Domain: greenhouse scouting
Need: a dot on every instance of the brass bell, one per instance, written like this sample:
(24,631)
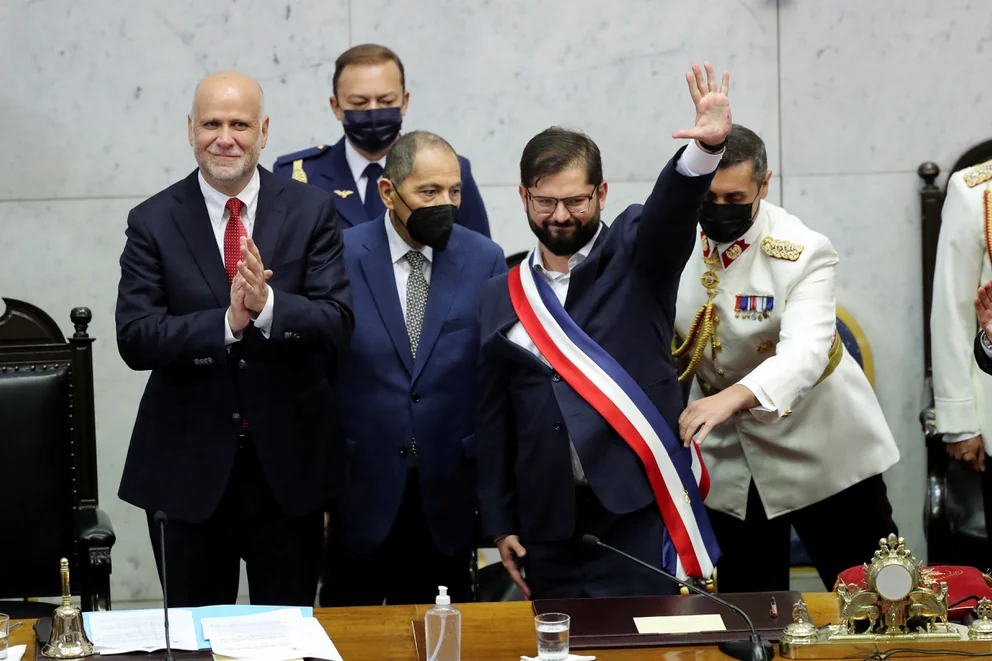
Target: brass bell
(68,638)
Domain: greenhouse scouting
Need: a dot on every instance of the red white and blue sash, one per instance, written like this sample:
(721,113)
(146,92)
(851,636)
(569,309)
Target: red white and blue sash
(677,475)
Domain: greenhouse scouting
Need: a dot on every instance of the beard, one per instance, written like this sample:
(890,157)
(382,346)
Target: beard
(233,169)
(567,238)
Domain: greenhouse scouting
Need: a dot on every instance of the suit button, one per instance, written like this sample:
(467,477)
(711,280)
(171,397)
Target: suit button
(209,361)
(556,377)
(415,397)
(287,336)
(558,425)
(242,364)
(235,417)
(403,450)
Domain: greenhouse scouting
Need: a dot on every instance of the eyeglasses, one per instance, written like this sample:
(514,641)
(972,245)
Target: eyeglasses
(575,204)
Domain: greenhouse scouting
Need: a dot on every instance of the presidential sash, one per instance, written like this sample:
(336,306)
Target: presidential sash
(677,475)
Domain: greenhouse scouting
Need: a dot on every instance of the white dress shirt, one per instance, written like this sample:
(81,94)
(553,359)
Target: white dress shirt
(398,248)
(694,162)
(217,211)
(358,163)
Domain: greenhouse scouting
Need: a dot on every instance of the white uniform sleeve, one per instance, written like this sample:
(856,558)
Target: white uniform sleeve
(958,270)
(808,324)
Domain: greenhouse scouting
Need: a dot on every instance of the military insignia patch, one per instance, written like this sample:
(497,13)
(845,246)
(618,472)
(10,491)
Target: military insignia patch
(754,307)
(343,193)
(781,249)
(298,173)
(978,174)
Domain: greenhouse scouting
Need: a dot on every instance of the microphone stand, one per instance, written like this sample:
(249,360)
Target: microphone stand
(161,519)
(755,648)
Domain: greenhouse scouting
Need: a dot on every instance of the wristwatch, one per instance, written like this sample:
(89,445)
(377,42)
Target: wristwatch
(986,344)
(714,149)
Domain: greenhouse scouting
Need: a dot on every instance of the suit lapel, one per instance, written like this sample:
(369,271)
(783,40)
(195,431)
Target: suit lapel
(503,344)
(445,276)
(343,188)
(193,222)
(378,269)
(270,215)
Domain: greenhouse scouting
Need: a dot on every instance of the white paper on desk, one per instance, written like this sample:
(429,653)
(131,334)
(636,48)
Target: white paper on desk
(273,636)
(15,652)
(119,632)
(679,624)
(316,645)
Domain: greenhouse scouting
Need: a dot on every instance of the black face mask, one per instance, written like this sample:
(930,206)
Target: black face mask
(372,130)
(431,226)
(725,222)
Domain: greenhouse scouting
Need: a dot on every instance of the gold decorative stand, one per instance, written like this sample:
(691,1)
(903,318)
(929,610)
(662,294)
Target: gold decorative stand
(875,615)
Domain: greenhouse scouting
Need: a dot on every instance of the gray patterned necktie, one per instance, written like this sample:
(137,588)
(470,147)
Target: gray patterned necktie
(416,298)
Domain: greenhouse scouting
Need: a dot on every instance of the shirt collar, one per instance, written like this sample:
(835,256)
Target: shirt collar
(398,248)
(217,201)
(575,259)
(356,162)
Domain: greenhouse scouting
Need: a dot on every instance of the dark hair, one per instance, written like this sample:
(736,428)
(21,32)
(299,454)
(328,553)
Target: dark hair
(557,149)
(403,153)
(366,54)
(743,146)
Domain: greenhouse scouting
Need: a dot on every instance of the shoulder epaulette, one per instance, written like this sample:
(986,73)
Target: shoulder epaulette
(781,249)
(303,154)
(978,174)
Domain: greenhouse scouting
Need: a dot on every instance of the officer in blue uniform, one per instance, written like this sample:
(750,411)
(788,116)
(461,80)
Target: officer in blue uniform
(370,100)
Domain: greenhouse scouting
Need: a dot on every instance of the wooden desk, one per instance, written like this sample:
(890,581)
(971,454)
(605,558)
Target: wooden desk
(490,631)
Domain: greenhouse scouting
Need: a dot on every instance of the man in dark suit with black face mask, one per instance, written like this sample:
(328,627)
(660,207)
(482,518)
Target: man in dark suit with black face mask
(370,99)
(405,519)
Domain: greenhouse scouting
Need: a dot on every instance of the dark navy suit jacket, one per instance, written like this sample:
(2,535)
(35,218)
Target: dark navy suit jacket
(623,296)
(386,398)
(171,309)
(327,167)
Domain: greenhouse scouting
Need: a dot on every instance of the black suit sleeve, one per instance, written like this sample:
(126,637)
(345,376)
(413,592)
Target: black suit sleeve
(665,233)
(984,362)
(496,449)
(322,315)
(148,337)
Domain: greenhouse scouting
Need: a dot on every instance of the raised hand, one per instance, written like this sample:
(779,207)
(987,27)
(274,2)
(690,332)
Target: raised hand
(713,117)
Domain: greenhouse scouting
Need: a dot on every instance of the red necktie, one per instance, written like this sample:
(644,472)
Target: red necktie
(232,250)
(232,238)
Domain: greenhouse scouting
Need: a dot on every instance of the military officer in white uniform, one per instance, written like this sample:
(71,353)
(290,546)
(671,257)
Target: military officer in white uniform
(788,425)
(963,392)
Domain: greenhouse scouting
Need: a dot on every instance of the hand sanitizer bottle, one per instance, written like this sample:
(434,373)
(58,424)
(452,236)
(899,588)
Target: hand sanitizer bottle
(443,629)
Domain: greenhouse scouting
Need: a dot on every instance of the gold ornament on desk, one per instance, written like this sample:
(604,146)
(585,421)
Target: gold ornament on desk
(68,637)
(981,629)
(897,605)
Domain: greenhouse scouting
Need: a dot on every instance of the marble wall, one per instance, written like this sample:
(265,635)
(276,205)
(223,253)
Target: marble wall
(850,95)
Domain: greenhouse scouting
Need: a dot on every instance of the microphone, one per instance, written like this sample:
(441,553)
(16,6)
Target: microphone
(161,519)
(754,649)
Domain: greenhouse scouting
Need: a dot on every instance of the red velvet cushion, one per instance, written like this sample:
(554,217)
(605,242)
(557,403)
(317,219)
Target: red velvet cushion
(961,582)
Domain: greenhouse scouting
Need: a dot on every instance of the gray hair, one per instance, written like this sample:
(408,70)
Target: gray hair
(403,153)
(743,146)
